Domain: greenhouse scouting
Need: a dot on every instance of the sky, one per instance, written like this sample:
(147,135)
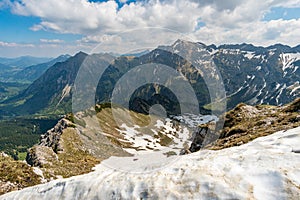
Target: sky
(54,27)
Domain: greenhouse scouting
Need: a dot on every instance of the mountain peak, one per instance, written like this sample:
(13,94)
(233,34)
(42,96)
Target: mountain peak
(80,53)
(181,42)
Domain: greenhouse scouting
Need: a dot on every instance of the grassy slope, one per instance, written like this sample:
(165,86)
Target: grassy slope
(73,160)
(245,123)
(17,173)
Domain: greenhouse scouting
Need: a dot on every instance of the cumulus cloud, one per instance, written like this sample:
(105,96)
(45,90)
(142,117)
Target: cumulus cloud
(225,21)
(68,16)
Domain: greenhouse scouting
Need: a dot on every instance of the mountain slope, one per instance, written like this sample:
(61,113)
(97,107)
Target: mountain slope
(257,75)
(52,91)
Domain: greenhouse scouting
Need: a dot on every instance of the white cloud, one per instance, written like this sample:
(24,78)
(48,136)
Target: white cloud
(13,44)
(67,16)
(259,33)
(226,21)
(51,41)
(123,1)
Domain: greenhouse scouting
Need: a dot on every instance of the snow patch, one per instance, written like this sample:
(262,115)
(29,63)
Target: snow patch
(65,92)
(258,68)
(178,134)
(280,92)
(288,59)
(249,54)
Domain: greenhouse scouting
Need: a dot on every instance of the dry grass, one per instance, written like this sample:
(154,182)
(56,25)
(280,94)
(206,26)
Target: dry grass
(245,123)
(15,175)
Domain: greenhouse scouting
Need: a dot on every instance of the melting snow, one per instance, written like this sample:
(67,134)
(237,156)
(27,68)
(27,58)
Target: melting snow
(295,89)
(192,120)
(180,134)
(271,52)
(277,86)
(266,168)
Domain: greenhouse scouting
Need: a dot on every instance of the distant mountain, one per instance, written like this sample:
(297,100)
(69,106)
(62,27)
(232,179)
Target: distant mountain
(23,61)
(4,68)
(138,53)
(254,75)
(31,73)
(11,66)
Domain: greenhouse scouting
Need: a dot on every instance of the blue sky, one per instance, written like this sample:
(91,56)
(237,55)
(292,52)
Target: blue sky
(53,27)
(283,13)
(15,28)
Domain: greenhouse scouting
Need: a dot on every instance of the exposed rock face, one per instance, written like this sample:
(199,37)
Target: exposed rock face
(51,137)
(203,135)
(49,145)
(39,156)
(203,130)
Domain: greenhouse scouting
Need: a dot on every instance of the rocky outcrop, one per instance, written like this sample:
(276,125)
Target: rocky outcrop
(40,156)
(48,147)
(51,137)
(201,137)
(202,133)
(61,152)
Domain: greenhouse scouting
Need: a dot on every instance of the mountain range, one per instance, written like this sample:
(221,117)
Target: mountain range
(251,74)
